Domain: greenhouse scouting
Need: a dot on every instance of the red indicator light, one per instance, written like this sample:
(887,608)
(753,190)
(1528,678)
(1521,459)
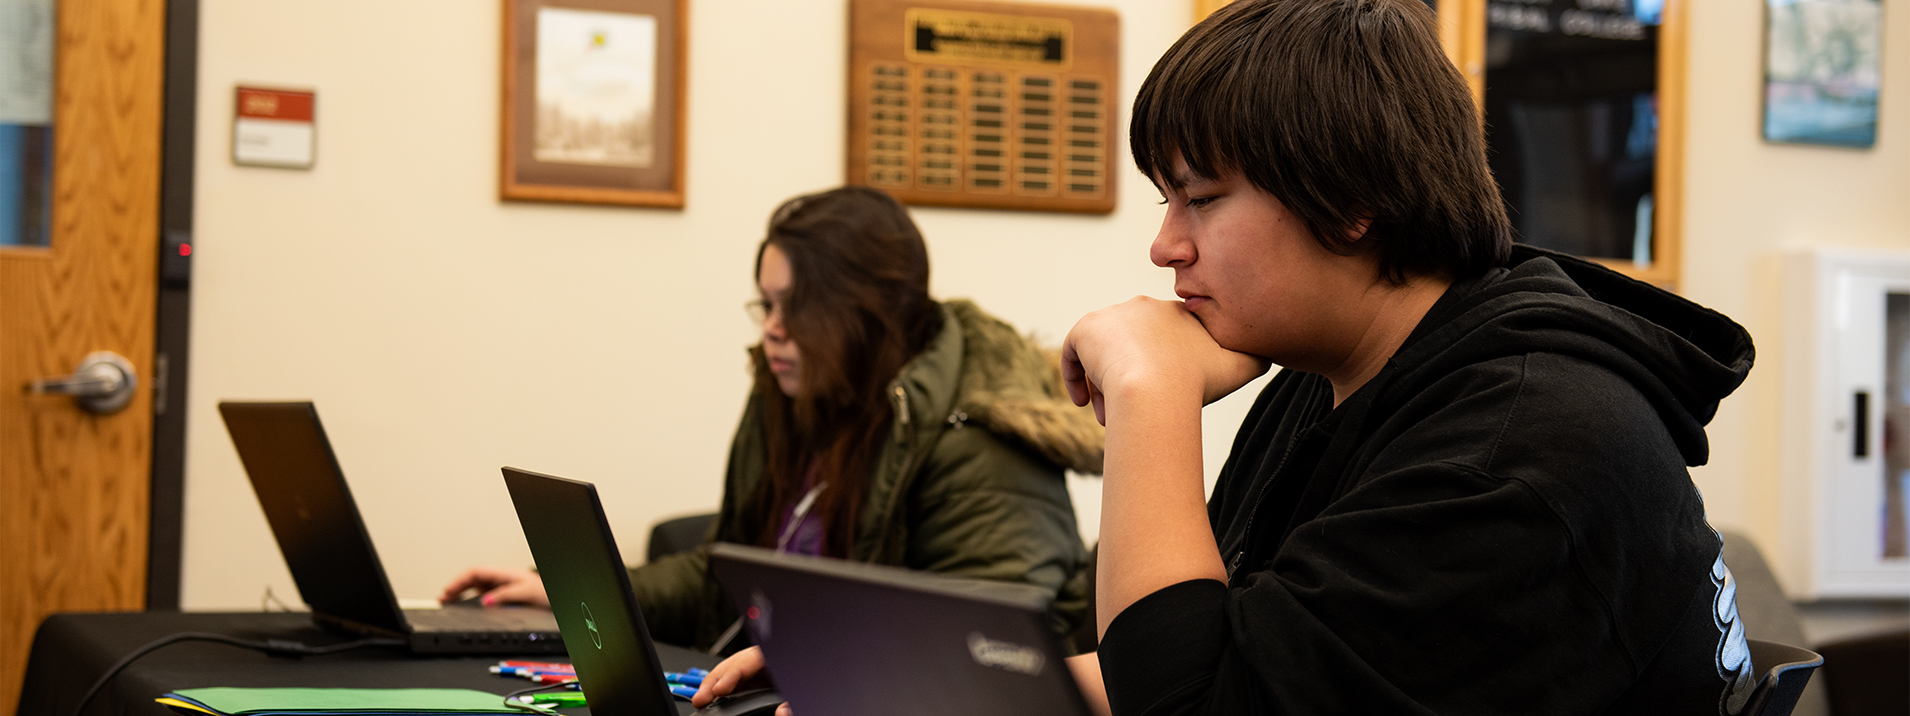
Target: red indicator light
(185,249)
(752,612)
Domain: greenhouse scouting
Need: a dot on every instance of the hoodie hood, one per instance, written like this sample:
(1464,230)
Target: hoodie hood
(1683,357)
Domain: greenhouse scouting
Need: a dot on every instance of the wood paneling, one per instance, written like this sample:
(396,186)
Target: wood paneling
(1462,29)
(1668,177)
(984,105)
(73,486)
(1203,8)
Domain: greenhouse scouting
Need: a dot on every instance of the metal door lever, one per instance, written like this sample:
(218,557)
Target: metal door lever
(103,383)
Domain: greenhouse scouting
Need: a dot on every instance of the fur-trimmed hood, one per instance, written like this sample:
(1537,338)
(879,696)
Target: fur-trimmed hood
(1012,386)
(969,483)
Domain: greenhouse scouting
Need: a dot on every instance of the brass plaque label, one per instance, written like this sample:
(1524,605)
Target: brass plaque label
(968,38)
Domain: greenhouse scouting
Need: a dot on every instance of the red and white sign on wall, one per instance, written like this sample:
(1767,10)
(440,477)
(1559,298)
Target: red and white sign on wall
(274,128)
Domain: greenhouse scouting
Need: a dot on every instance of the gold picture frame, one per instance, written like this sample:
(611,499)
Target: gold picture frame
(617,138)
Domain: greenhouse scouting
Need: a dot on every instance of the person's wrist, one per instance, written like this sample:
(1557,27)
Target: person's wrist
(1140,389)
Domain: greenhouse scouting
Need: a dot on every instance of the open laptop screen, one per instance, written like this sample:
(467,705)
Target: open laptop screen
(852,639)
(302,490)
(590,595)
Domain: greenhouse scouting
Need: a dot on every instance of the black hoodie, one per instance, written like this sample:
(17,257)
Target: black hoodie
(1499,522)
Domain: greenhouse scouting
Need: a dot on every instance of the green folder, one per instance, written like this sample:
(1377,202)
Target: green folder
(322,702)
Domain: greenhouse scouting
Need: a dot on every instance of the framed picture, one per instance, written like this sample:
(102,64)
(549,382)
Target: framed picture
(1821,71)
(593,102)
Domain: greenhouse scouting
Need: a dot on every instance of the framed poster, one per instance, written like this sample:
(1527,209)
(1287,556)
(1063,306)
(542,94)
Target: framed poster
(1821,71)
(984,104)
(593,101)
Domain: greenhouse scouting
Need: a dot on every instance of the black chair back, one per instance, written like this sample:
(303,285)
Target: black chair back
(1868,675)
(679,535)
(1786,669)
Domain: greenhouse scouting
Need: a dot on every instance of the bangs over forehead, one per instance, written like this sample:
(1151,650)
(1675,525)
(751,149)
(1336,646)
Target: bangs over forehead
(1346,111)
(1182,108)
(1256,83)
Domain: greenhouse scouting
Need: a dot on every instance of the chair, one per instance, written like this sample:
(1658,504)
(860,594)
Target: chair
(1789,669)
(678,535)
(1868,675)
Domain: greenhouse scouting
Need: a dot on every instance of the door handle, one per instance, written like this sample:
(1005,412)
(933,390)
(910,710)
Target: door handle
(103,383)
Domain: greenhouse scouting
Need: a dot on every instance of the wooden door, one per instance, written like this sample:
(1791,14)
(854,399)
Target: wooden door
(74,486)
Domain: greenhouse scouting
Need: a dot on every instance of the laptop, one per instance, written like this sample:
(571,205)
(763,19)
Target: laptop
(303,491)
(619,668)
(851,639)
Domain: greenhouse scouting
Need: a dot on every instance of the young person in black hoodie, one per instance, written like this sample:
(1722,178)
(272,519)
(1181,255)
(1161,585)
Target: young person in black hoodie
(1466,491)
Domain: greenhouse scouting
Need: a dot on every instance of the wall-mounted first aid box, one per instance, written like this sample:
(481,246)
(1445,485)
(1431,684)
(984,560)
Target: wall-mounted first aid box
(1846,444)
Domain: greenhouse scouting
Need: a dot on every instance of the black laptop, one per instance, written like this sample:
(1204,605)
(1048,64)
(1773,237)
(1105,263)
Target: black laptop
(851,639)
(619,668)
(300,486)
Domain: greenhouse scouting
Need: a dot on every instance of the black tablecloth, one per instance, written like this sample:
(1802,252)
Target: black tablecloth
(71,651)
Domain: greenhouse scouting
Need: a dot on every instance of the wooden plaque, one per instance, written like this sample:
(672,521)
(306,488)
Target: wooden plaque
(984,104)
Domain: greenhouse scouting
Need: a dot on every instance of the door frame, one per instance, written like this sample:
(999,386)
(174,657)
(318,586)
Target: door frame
(173,319)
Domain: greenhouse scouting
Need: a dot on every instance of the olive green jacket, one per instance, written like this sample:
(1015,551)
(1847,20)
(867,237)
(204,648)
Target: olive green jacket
(968,484)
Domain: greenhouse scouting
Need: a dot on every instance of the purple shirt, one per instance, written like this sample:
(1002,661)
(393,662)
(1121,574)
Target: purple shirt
(808,536)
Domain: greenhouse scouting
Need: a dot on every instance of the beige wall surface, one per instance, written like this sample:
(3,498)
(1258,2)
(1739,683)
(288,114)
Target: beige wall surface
(443,333)
(1746,201)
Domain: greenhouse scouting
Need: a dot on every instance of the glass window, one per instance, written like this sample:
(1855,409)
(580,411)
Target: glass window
(26,121)
(1896,426)
(1571,112)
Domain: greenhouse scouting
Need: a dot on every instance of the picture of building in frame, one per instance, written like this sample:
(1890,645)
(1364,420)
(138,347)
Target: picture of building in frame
(596,88)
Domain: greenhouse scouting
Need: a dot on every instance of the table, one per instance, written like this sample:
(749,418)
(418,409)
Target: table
(71,651)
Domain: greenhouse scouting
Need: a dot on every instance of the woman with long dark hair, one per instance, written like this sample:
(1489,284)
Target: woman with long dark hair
(882,427)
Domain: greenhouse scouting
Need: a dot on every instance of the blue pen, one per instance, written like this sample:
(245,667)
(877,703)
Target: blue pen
(693,671)
(525,670)
(683,691)
(684,679)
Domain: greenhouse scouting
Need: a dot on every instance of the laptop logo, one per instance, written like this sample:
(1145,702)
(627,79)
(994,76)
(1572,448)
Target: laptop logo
(1007,656)
(590,622)
(758,614)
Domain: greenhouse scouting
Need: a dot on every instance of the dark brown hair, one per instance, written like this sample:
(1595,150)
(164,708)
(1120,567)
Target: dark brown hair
(858,309)
(1344,110)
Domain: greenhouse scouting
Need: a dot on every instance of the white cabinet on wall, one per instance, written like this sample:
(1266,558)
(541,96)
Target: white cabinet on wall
(1846,444)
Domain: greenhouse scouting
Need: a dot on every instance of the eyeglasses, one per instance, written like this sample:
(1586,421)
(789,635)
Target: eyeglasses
(759,310)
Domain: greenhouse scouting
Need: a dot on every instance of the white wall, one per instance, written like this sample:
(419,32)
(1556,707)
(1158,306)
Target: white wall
(443,333)
(1747,201)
